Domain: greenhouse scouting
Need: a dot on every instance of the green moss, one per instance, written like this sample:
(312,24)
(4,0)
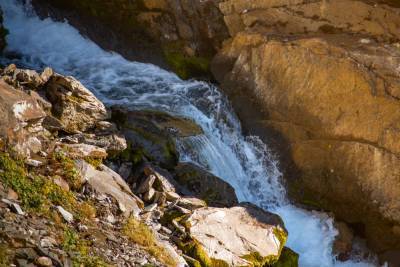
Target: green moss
(170,216)
(80,250)
(70,173)
(195,250)
(4,255)
(35,192)
(259,261)
(192,262)
(38,193)
(140,234)
(288,258)
(95,162)
(186,67)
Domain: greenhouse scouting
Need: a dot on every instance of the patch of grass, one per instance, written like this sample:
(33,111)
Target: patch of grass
(140,234)
(38,193)
(4,256)
(70,173)
(73,244)
(86,210)
(35,191)
(193,249)
(95,162)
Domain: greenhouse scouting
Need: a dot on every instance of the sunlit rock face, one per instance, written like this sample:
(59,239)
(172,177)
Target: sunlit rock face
(321,85)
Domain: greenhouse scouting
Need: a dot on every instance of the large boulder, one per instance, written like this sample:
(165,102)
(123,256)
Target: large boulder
(329,106)
(73,104)
(202,184)
(151,134)
(239,236)
(181,34)
(106,181)
(20,120)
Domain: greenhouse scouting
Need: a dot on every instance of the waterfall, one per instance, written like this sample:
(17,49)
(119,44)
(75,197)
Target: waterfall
(243,161)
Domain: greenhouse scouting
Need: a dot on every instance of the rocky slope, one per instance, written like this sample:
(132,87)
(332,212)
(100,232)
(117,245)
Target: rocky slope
(81,185)
(317,80)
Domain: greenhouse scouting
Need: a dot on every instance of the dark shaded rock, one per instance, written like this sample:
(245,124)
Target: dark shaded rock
(288,258)
(151,134)
(205,185)
(3,33)
(343,242)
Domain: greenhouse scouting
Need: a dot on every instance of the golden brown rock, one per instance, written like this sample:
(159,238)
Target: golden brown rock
(329,104)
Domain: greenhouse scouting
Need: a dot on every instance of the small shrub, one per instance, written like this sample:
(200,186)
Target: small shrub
(140,234)
(69,171)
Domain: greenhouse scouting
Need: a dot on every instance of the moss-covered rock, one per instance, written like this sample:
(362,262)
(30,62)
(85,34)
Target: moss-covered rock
(288,258)
(220,236)
(186,66)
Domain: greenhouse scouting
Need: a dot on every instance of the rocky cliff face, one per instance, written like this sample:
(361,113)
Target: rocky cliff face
(182,35)
(319,81)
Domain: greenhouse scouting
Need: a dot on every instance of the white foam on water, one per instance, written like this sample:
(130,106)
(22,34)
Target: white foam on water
(244,162)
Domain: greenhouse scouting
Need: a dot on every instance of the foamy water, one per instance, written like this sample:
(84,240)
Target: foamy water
(244,162)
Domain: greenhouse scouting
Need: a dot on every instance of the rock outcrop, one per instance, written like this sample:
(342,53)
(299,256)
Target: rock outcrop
(20,120)
(183,35)
(319,82)
(73,104)
(238,236)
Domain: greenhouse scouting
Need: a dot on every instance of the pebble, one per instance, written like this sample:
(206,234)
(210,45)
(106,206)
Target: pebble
(68,217)
(150,207)
(44,261)
(33,163)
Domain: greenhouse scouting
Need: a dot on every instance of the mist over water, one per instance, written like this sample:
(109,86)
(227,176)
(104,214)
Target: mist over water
(244,162)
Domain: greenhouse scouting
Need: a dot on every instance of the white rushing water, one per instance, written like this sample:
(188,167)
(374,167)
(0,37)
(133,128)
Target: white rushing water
(244,162)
